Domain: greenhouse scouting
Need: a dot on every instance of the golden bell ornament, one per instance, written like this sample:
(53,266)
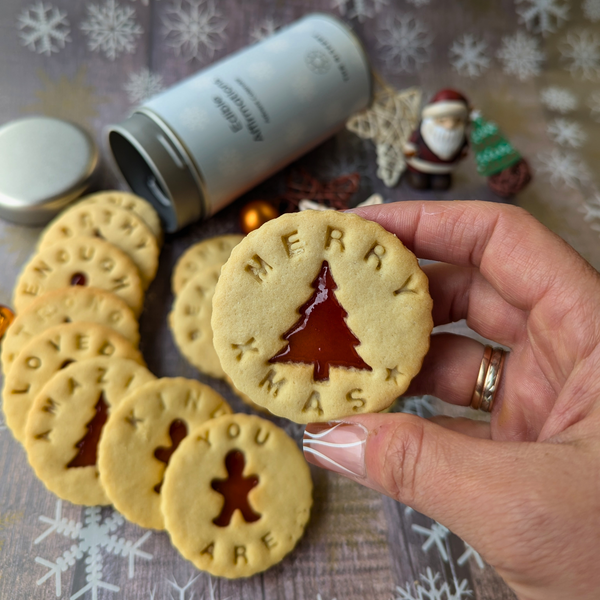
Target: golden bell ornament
(7,316)
(255,214)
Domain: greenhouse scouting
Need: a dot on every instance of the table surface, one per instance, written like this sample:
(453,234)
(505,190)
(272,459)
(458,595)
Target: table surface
(534,70)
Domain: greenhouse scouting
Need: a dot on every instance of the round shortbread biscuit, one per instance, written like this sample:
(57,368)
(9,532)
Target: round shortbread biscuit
(142,208)
(207,253)
(137,441)
(237,496)
(116,225)
(66,421)
(318,315)
(189,320)
(47,354)
(67,305)
(85,261)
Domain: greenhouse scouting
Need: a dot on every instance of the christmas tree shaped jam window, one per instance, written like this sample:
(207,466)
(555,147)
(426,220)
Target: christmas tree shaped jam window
(318,315)
(321,336)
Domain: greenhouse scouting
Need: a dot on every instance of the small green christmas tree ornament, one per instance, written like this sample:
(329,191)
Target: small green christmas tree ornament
(507,171)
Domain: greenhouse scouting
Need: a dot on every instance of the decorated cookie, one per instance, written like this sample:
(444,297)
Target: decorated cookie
(66,421)
(47,354)
(68,305)
(190,321)
(237,496)
(320,314)
(207,253)
(142,208)
(83,261)
(116,225)
(140,437)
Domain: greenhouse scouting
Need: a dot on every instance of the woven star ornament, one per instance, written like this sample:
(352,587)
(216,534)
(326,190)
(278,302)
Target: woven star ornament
(389,121)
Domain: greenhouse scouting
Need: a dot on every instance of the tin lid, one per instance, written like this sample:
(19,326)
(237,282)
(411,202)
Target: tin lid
(45,164)
(156,166)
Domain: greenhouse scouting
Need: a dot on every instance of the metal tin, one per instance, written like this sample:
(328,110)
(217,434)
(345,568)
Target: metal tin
(196,147)
(45,164)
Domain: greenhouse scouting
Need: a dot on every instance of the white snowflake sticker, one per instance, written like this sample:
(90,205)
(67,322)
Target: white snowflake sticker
(93,537)
(521,55)
(436,536)
(591,10)
(581,51)
(594,104)
(563,168)
(468,56)
(143,85)
(194,28)
(567,133)
(359,9)
(558,99)
(43,28)
(542,16)
(406,43)
(432,588)
(111,29)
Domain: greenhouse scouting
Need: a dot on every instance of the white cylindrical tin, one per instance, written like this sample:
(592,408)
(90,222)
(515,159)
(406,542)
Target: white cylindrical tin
(202,143)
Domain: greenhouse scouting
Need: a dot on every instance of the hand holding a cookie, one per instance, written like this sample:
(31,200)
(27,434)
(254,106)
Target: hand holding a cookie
(523,490)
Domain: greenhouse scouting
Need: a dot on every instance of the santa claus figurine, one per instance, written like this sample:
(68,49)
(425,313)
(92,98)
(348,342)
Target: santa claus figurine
(440,142)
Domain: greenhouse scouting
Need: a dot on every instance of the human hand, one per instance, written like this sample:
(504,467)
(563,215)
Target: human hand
(523,490)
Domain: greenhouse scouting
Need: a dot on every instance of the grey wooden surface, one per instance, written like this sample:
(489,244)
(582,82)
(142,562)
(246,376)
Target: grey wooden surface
(358,544)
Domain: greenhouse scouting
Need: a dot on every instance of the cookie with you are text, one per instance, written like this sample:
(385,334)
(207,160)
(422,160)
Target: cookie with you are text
(319,315)
(236,496)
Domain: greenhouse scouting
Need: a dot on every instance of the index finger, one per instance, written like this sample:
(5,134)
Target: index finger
(518,255)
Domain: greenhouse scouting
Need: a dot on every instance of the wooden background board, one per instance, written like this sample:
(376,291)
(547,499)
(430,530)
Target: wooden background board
(358,544)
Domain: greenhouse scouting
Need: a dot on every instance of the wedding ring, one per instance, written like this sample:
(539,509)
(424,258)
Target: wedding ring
(478,391)
(488,378)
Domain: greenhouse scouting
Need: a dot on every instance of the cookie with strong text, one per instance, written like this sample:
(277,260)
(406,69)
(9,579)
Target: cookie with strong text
(318,315)
(208,253)
(246,506)
(83,261)
(140,437)
(67,419)
(68,305)
(48,353)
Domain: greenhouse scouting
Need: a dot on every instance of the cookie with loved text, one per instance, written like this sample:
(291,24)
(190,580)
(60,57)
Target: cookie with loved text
(320,314)
(68,305)
(140,437)
(66,421)
(237,496)
(46,354)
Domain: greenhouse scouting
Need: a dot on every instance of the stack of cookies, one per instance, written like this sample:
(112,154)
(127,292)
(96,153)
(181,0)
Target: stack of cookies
(99,428)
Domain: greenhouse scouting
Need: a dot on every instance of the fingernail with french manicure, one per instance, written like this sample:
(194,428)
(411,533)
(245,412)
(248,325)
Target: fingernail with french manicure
(337,447)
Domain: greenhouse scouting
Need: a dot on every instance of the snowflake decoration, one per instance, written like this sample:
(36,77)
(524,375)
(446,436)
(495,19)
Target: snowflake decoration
(558,99)
(591,10)
(418,3)
(143,85)
(44,29)
(266,29)
(467,56)
(360,8)
(542,16)
(91,538)
(436,536)
(468,553)
(591,211)
(406,43)
(111,29)
(581,49)
(194,28)
(432,588)
(594,104)
(567,133)
(521,55)
(563,168)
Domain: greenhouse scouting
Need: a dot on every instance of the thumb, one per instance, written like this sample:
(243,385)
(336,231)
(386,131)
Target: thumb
(463,482)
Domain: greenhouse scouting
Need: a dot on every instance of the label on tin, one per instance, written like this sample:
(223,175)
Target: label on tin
(249,115)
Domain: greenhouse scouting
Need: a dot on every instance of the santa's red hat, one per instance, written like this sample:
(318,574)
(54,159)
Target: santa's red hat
(447,103)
